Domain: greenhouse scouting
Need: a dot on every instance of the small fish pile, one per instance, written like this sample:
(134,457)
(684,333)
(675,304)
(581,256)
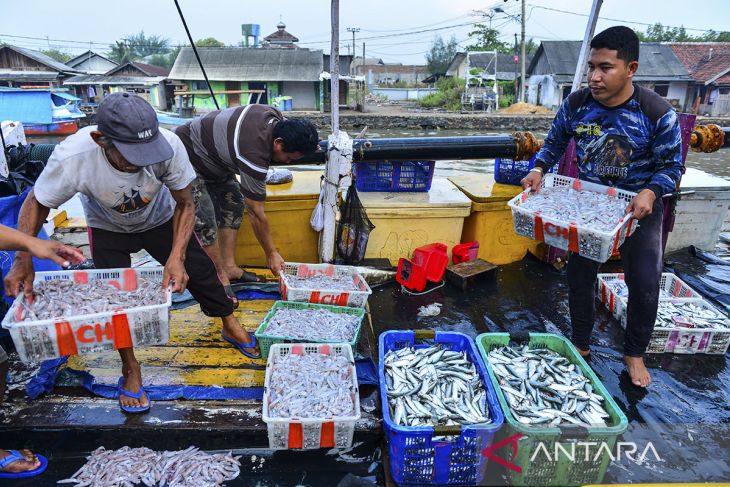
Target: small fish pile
(434,386)
(619,287)
(320,281)
(311,386)
(688,315)
(587,209)
(544,387)
(142,466)
(62,298)
(312,324)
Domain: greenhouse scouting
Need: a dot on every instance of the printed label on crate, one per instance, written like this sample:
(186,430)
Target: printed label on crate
(687,341)
(337,299)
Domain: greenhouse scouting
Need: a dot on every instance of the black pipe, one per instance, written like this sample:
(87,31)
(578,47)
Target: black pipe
(424,148)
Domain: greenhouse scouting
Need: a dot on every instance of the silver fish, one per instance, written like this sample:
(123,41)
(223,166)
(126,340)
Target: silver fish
(312,324)
(433,386)
(588,209)
(542,387)
(619,287)
(671,314)
(63,298)
(311,386)
(320,281)
(134,466)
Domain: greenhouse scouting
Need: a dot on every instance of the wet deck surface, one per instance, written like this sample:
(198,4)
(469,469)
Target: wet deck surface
(685,413)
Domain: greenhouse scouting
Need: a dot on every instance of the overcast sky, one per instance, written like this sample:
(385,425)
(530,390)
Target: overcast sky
(394,30)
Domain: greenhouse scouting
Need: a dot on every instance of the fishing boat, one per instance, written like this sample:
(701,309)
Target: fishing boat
(43,111)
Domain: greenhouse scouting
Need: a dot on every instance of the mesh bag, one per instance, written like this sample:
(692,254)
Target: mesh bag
(353,230)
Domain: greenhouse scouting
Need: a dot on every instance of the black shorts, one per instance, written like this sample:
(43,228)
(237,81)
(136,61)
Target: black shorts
(112,249)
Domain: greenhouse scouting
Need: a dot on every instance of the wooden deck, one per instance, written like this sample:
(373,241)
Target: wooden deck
(196,355)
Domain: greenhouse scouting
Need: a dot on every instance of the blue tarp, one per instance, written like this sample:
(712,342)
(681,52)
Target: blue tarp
(26,106)
(9,209)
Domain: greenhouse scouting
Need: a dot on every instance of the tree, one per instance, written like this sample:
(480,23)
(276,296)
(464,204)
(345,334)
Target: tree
(209,42)
(138,46)
(441,54)
(487,39)
(660,33)
(57,54)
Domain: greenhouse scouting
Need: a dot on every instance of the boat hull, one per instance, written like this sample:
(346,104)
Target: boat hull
(56,128)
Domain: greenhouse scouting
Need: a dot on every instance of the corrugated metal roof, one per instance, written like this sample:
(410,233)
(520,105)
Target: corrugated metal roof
(14,75)
(42,58)
(101,79)
(656,61)
(248,64)
(73,62)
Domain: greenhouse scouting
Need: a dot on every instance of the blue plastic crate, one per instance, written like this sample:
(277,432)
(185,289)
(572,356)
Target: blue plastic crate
(395,176)
(507,171)
(415,457)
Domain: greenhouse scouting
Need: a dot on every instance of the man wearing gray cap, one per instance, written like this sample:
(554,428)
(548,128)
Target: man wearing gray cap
(134,183)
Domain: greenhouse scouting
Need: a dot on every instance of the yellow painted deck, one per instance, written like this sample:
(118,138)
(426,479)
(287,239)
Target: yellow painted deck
(196,355)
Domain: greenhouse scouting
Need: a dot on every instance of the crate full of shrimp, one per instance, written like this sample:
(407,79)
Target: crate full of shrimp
(614,293)
(323,284)
(585,218)
(311,397)
(89,311)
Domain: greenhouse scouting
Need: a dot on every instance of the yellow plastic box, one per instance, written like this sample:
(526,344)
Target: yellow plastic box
(288,208)
(405,221)
(490,222)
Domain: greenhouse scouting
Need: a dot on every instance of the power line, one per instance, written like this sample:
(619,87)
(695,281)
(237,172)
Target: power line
(618,20)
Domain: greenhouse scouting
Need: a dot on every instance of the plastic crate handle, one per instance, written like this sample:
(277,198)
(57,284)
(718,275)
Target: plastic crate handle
(573,431)
(424,334)
(443,430)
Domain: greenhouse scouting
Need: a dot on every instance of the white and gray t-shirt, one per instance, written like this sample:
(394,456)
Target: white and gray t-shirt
(113,200)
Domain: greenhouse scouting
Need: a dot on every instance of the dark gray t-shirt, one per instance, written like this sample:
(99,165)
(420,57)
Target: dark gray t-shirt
(233,141)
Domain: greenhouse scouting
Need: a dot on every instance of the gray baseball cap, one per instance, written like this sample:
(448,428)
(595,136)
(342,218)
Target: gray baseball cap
(132,124)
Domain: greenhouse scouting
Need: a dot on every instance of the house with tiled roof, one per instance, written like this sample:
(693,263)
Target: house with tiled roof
(708,63)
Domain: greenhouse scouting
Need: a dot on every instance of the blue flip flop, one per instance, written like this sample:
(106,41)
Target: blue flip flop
(241,346)
(15,456)
(135,395)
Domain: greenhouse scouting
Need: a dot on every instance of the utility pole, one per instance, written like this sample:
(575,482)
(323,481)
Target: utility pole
(353,30)
(514,99)
(522,81)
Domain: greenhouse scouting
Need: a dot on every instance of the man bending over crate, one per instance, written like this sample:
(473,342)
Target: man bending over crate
(628,137)
(135,184)
(240,141)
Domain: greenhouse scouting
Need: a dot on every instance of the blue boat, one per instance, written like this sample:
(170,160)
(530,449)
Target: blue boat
(42,111)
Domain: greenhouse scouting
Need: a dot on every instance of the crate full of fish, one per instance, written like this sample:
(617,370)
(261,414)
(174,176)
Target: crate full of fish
(614,293)
(324,284)
(90,311)
(688,326)
(289,322)
(551,400)
(440,410)
(311,397)
(585,218)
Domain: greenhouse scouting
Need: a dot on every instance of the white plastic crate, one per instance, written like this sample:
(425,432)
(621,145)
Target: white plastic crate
(591,244)
(92,333)
(310,433)
(712,341)
(353,299)
(671,285)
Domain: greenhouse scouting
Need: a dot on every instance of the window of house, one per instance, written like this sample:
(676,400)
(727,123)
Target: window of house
(661,89)
(200,86)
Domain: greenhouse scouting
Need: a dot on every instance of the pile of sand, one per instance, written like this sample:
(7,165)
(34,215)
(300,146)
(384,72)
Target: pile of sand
(525,108)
